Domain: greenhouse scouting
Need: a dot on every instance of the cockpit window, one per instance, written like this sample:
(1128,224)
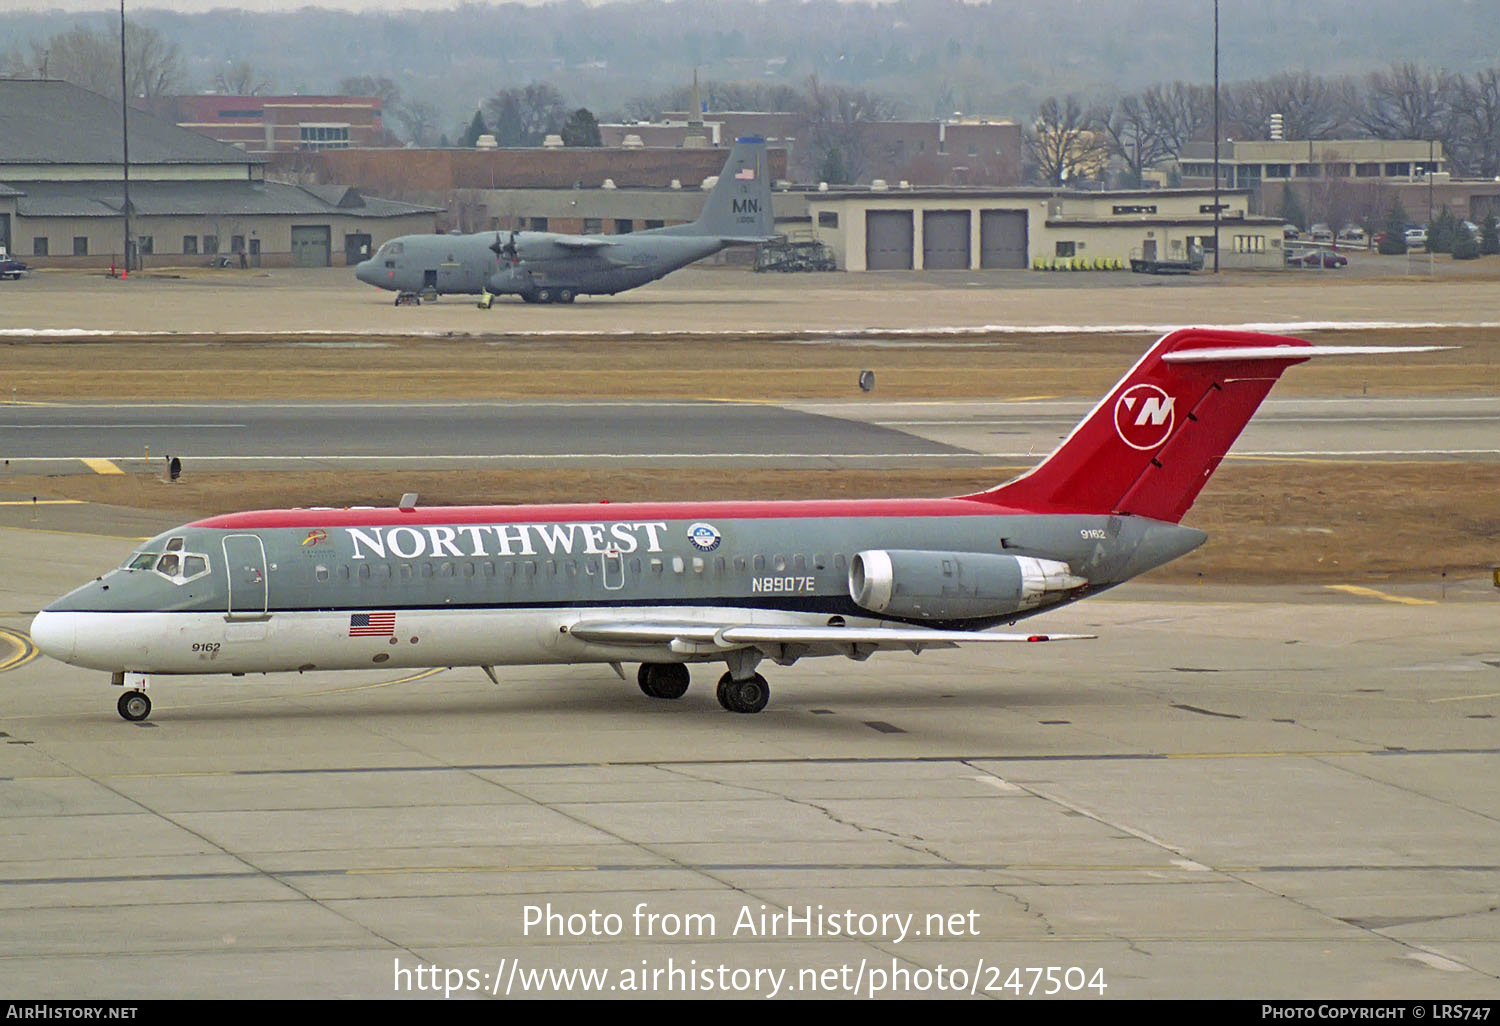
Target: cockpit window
(176,566)
(391,249)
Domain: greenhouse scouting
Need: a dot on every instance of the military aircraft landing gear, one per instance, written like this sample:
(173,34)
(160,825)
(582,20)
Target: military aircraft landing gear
(134,706)
(744,696)
(408,299)
(663,680)
(544,295)
(565,295)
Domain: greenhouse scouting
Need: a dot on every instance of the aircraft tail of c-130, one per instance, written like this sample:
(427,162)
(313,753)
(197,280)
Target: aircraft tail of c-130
(738,208)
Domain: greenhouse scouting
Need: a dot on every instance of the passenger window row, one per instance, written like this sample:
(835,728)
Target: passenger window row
(528,569)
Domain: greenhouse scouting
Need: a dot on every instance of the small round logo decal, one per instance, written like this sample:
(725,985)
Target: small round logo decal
(1144,416)
(705,537)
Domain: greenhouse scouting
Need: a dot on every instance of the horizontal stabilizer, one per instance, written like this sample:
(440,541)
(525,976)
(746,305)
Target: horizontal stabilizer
(1211,355)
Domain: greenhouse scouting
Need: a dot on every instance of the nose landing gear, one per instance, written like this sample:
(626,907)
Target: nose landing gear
(134,706)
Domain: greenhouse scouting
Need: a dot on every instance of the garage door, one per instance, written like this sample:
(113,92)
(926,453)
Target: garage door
(945,240)
(311,245)
(1002,238)
(888,240)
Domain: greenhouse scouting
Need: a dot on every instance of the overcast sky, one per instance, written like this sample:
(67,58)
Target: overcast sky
(198,6)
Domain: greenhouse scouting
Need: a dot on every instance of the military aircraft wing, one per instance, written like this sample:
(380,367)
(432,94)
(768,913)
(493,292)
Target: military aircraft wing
(726,636)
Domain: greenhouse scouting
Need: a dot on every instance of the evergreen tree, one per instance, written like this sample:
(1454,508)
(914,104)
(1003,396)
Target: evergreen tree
(1489,236)
(1394,243)
(1442,232)
(833,170)
(1291,209)
(581,129)
(473,132)
(1464,245)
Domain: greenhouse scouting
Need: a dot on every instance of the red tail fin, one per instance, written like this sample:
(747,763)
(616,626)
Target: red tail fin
(1151,444)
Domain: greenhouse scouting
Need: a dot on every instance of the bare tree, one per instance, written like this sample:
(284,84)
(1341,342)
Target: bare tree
(1406,102)
(241,78)
(1066,142)
(1473,145)
(420,120)
(1310,106)
(1134,136)
(1182,113)
(92,60)
(526,115)
(837,117)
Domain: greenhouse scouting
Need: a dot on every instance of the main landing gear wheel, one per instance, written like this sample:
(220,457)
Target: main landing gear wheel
(134,706)
(663,680)
(544,295)
(565,295)
(744,696)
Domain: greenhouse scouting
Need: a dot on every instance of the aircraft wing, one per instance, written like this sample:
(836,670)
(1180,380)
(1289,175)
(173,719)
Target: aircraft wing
(581,242)
(702,638)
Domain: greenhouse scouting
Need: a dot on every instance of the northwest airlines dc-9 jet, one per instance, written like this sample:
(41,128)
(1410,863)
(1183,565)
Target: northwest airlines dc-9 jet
(668,585)
(547,267)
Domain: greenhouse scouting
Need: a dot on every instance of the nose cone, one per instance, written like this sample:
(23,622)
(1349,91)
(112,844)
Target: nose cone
(55,634)
(365,271)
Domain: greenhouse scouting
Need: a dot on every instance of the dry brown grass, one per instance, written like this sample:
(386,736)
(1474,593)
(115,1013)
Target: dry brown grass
(1282,522)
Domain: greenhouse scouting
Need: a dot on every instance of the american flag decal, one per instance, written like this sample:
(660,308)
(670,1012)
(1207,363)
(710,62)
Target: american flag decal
(746,174)
(372,625)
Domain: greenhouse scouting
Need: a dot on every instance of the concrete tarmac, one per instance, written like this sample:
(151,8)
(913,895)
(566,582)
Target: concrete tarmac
(1264,793)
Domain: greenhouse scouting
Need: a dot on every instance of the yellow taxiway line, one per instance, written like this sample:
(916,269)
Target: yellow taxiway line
(25,651)
(1354,589)
(100,466)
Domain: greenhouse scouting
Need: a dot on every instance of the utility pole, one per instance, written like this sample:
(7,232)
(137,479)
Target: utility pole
(1215,137)
(125,138)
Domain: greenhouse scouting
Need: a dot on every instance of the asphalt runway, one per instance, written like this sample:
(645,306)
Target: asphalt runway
(1257,793)
(104,437)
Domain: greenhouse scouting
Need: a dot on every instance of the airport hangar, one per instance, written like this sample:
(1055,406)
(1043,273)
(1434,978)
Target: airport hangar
(191,199)
(611,190)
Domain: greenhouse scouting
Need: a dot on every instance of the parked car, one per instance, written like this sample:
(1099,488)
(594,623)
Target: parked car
(1353,235)
(1416,237)
(11,268)
(1316,258)
(1321,233)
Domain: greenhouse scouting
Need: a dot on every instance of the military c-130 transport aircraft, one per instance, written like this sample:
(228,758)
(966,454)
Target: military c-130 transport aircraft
(668,585)
(546,267)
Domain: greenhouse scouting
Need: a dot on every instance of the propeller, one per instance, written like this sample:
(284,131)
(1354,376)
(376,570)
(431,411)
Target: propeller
(506,250)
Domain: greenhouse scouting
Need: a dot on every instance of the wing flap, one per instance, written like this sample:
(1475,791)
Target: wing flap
(701,637)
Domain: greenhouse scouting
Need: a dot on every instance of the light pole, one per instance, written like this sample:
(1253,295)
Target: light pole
(1215,137)
(1430,156)
(125,139)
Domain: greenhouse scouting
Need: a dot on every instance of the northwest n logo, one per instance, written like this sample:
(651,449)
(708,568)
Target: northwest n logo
(1144,416)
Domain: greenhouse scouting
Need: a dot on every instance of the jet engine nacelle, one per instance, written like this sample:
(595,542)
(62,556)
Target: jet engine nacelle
(954,585)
